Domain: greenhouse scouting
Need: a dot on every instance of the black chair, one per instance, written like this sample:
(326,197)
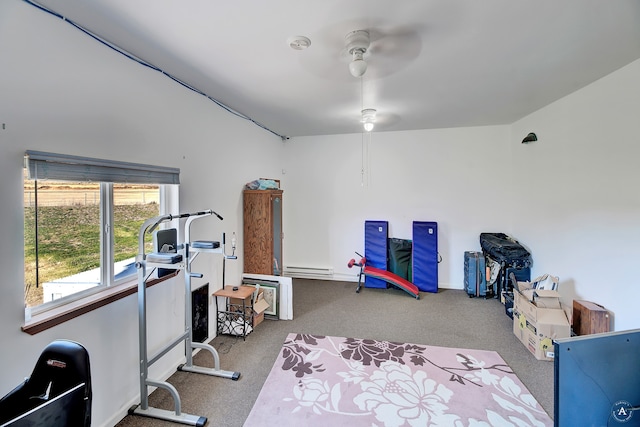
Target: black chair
(61,368)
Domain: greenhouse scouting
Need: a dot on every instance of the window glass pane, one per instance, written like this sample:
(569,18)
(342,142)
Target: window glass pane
(62,239)
(133,205)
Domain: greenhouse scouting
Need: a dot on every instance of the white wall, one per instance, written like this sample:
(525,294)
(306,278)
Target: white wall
(571,197)
(63,92)
(579,208)
(431,175)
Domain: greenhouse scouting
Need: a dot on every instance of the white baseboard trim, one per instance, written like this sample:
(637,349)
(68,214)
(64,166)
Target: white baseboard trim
(325,273)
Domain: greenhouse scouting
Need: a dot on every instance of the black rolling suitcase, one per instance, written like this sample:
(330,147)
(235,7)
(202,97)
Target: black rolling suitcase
(475,280)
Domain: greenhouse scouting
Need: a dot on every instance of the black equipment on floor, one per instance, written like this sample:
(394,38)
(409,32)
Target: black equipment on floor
(400,254)
(58,392)
(509,254)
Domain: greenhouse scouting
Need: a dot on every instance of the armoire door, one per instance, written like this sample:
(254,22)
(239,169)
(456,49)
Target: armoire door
(262,212)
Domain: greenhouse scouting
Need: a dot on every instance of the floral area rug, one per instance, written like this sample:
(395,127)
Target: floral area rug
(334,381)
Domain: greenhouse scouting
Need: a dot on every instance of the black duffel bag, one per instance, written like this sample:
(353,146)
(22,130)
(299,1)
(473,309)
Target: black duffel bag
(505,250)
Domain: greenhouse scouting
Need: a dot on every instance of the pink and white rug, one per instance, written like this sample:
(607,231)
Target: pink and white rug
(334,381)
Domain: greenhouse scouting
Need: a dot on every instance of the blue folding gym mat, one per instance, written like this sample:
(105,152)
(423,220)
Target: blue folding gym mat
(375,250)
(425,255)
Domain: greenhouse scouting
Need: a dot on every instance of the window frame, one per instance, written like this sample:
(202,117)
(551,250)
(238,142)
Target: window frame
(57,167)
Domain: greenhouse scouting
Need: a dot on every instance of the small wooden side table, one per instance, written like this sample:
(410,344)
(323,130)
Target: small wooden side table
(233,310)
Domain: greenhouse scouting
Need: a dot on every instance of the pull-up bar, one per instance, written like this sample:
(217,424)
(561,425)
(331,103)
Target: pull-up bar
(187,336)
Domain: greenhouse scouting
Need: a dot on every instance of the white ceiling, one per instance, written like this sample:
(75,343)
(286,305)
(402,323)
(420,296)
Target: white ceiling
(432,63)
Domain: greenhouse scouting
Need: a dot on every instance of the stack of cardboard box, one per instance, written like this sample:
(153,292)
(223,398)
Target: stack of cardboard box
(538,319)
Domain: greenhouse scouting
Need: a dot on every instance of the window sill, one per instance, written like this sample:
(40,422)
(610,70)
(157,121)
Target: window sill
(55,317)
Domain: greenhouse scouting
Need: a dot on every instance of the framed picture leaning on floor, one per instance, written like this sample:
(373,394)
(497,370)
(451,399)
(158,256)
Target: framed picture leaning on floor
(270,290)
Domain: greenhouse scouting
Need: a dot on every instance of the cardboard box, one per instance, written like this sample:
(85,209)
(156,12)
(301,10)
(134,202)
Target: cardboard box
(259,307)
(539,319)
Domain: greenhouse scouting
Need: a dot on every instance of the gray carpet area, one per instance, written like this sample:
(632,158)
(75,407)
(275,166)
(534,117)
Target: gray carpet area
(448,318)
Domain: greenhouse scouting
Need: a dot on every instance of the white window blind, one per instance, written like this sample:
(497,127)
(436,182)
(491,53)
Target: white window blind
(63,167)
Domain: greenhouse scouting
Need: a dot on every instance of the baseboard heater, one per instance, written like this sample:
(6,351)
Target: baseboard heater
(308,272)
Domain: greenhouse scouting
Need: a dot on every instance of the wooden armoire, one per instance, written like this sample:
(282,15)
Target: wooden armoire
(262,231)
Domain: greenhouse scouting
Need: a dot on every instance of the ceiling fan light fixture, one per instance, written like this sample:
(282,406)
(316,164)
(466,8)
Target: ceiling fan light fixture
(368,119)
(358,66)
(357,43)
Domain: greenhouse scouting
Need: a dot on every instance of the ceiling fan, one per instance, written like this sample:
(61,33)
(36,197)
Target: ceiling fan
(381,52)
(384,51)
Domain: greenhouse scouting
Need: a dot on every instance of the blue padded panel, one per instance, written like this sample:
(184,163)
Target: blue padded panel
(425,255)
(375,250)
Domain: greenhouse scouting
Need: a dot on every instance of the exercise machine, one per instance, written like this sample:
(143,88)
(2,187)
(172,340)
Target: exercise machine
(384,275)
(181,260)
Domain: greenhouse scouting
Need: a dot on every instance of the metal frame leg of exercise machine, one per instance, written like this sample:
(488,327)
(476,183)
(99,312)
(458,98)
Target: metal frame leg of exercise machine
(143,408)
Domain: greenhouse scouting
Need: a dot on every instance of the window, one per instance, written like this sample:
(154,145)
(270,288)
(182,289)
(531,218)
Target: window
(82,218)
